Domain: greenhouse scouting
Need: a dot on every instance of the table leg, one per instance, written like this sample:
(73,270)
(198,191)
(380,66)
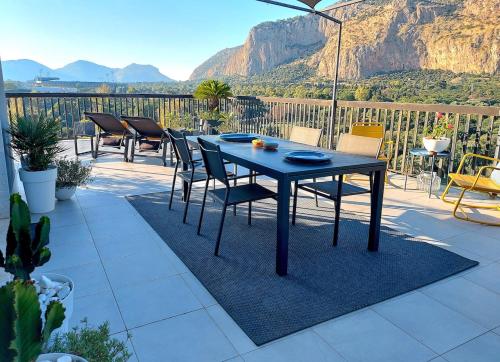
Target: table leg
(283,227)
(433,160)
(377,198)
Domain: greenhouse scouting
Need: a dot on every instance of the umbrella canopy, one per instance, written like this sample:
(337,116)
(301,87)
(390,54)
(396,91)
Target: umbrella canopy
(310,3)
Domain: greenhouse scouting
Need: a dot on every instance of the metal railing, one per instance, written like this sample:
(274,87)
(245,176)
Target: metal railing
(477,128)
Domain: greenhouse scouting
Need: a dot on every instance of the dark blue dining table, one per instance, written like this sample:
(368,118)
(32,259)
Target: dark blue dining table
(274,165)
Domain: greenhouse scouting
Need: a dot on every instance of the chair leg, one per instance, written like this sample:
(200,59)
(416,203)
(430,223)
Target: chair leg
(203,206)
(173,186)
(250,213)
(221,225)
(164,153)
(188,196)
(76,145)
(294,208)
(235,182)
(316,195)
(337,212)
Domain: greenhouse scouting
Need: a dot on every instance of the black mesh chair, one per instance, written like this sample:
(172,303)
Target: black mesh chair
(336,189)
(215,168)
(193,173)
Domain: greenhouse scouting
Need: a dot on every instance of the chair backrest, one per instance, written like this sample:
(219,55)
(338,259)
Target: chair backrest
(181,147)
(305,135)
(368,129)
(359,145)
(146,127)
(495,175)
(107,122)
(212,159)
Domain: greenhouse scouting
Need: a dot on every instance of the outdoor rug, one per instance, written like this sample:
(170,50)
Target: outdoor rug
(323,281)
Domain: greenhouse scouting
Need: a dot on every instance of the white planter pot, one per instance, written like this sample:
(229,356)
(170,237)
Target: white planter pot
(67,302)
(52,357)
(65,193)
(40,189)
(436,145)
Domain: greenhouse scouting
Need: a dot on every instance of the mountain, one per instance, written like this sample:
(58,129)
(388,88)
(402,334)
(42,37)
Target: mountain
(86,71)
(378,37)
(140,73)
(24,70)
(82,71)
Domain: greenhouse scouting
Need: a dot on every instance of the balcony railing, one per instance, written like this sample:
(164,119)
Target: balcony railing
(477,128)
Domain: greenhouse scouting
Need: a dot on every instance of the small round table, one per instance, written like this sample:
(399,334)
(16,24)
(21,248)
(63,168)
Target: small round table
(433,156)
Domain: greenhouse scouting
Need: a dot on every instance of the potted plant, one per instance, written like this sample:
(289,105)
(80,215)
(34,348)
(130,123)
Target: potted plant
(93,344)
(26,331)
(27,249)
(436,138)
(36,142)
(70,175)
(213,91)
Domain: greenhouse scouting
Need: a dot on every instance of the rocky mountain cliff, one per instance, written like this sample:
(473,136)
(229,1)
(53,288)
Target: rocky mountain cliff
(378,37)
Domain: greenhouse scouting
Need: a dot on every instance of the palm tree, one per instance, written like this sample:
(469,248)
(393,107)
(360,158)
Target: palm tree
(213,91)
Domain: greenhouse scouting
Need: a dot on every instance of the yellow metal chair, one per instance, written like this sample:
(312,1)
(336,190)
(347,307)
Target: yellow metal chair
(375,130)
(474,183)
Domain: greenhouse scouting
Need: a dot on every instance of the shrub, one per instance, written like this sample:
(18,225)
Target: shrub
(95,345)
(72,173)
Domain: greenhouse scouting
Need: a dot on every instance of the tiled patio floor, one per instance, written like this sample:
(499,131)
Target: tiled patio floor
(124,273)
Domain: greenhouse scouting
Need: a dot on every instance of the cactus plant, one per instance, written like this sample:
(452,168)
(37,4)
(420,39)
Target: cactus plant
(24,251)
(23,334)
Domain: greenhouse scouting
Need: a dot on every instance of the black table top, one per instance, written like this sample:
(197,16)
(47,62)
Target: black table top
(273,163)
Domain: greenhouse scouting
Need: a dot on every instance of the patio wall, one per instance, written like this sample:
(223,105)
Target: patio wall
(477,128)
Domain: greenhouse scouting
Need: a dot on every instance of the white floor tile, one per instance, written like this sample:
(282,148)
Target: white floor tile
(98,308)
(137,268)
(189,337)
(366,336)
(485,348)
(438,327)
(149,302)
(233,332)
(488,277)
(89,278)
(199,290)
(300,347)
(473,301)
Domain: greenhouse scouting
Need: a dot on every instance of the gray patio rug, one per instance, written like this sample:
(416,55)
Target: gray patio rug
(323,281)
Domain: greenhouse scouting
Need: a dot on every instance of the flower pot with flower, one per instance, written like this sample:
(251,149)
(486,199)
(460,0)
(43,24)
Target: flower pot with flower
(436,138)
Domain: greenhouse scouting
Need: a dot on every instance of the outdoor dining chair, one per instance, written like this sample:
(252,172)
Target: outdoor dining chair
(307,136)
(111,132)
(375,130)
(149,135)
(336,189)
(475,183)
(246,193)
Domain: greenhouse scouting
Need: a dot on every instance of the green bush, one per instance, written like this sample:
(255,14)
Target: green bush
(93,344)
(71,173)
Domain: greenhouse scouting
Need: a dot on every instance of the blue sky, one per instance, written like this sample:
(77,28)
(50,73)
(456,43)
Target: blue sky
(174,35)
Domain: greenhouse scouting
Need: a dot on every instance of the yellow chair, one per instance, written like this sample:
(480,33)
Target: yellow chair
(474,183)
(375,130)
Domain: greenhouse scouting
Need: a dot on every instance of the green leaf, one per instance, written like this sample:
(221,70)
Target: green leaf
(7,317)
(54,318)
(28,325)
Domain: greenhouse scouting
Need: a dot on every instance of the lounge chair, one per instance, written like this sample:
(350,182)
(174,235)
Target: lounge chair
(479,183)
(149,135)
(111,132)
